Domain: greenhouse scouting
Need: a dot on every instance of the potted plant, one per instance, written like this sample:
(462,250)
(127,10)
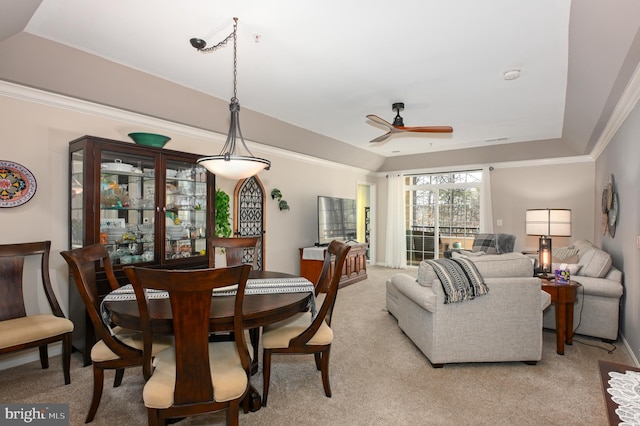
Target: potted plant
(223,214)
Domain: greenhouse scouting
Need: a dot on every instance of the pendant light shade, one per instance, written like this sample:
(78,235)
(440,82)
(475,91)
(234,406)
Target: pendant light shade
(229,163)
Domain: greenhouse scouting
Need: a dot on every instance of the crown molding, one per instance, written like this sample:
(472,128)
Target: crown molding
(54,100)
(623,108)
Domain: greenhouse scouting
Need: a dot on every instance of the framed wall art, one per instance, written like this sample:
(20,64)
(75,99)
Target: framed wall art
(17,184)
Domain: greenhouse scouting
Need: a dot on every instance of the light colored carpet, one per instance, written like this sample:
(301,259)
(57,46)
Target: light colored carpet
(378,377)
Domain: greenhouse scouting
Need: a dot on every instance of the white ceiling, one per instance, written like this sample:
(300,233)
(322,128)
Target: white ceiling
(324,65)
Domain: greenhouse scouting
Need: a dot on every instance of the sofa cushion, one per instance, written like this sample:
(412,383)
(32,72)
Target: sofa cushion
(485,243)
(583,246)
(426,274)
(595,263)
(502,265)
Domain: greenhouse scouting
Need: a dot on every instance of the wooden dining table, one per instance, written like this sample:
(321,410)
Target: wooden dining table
(258,309)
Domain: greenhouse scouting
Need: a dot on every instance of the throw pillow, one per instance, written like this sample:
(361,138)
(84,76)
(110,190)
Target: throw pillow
(505,243)
(485,243)
(564,253)
(595,263)
(583,246)
(426,274)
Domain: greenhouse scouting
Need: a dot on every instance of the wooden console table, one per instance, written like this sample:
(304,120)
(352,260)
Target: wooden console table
(353,270)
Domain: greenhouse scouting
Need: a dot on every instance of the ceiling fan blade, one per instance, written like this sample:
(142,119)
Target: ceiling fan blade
(427,129)
(379,120)
(381,138)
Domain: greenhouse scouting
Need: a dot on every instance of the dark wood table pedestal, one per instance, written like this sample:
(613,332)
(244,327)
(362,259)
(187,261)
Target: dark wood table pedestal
(563,296)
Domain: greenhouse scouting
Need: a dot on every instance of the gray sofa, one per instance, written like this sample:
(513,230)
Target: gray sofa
(597,310)
(503,325)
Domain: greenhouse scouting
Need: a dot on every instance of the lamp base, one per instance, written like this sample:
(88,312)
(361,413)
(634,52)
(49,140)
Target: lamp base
(545,276)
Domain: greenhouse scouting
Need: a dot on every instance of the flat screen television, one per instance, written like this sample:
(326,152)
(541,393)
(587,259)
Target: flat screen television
(337,219)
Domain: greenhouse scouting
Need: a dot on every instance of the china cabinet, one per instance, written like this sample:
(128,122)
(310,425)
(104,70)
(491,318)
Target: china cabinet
(149,206)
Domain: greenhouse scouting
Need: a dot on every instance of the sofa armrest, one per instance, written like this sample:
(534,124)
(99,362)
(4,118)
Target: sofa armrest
(599,286)
(420,295)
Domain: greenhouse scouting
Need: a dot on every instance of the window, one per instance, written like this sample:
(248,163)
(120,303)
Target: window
(442,212)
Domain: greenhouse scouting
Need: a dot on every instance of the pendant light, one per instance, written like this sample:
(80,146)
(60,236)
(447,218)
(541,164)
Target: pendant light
(229,163)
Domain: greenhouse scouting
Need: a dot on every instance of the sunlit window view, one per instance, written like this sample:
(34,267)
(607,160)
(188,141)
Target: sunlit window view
(442,213)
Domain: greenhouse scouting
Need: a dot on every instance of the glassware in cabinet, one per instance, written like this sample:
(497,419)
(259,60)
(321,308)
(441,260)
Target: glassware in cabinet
(186,210)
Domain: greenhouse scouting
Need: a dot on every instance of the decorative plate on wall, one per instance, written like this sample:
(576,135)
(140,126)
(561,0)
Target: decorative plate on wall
(613,215)
(17,184)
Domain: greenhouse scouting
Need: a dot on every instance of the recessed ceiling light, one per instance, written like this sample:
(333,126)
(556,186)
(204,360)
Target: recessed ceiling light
(511,74)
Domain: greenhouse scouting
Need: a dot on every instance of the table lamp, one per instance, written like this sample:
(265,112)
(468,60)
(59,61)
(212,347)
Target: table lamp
(547,223)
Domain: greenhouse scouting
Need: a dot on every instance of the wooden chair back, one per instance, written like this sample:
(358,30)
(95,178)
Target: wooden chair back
(83,264)
(191,303)
(237,250)
(12,258)
(12,305)
(334,260)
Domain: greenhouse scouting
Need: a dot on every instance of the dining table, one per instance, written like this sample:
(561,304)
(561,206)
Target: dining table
(269,297)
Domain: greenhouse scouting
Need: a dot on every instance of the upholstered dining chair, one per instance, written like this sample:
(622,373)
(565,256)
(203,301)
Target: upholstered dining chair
(303,334)
(116,351)
(237,250)
(194,376)
(19,330)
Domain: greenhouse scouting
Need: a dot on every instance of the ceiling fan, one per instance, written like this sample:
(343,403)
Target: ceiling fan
(399,127)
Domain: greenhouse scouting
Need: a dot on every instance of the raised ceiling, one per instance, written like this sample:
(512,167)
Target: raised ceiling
(323,66)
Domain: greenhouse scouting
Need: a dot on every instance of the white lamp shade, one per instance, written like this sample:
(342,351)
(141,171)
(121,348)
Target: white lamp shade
(549,222)
(234,167)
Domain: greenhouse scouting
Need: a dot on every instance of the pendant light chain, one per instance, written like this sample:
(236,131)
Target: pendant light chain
(230,163)
(235,60)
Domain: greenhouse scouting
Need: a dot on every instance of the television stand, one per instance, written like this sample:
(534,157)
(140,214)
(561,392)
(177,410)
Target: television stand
(353,270)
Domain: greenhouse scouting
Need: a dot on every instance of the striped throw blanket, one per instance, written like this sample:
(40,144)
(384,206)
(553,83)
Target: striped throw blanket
(460,279)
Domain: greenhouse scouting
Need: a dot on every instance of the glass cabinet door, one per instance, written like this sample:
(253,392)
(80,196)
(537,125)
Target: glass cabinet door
(77,198)
(128,207)
(185,210)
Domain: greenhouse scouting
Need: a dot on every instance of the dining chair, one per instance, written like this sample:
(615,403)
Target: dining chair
(304,334)
(194,376)
(237,250)
(115,349)
(18,329)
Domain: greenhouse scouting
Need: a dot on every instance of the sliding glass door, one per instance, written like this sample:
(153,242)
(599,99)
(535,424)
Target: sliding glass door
(442,211)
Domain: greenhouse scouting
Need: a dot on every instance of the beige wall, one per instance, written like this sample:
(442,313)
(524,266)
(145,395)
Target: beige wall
(35,130)
(564,186)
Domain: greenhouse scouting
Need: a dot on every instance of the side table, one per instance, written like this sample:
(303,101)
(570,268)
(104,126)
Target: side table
(563,296)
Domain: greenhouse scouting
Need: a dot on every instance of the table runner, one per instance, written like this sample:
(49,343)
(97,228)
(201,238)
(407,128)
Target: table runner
(254,286)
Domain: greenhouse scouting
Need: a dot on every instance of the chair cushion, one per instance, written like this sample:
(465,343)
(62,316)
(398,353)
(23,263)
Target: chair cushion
(278,335)
(595,263)
(227,375)
(485,243)
(100,351)
(27,329)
